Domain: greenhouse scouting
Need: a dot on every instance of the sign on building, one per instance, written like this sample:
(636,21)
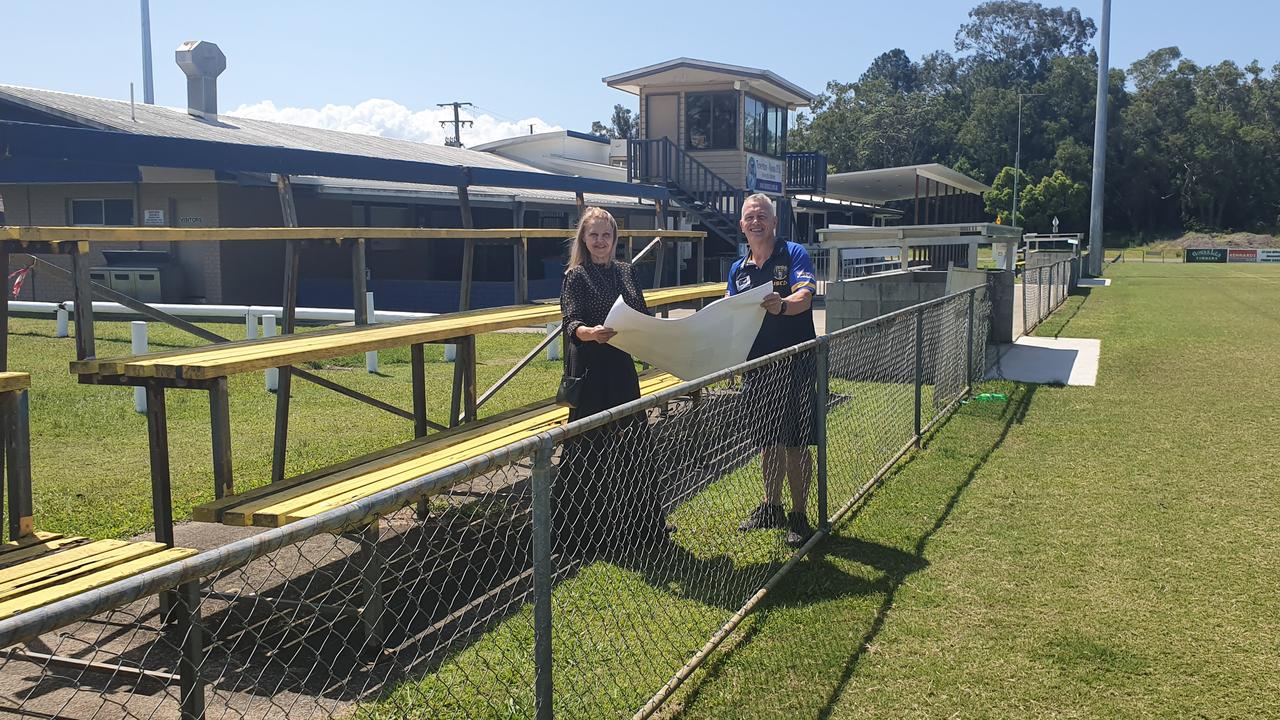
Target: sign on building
(764,174)
(1206,255)
(153,217)
(1248,255)
(1269,256)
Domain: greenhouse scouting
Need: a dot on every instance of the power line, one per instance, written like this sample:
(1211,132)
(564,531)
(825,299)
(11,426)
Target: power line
(456,140)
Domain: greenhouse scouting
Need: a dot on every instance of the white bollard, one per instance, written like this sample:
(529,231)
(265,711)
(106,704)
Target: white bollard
(554,349)
(250,325)
(64,318)
(269,330)
(450,352)
(370,357)
(138,334)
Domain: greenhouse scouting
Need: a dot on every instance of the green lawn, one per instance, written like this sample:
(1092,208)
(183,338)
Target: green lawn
(1080,553)
(89,448)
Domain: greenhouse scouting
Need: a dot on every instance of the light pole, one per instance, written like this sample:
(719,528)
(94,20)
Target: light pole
(1017,159)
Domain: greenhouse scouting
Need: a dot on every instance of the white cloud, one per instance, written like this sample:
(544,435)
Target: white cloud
(387,118)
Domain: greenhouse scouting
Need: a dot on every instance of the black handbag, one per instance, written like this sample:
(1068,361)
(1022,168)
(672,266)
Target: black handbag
(569,394)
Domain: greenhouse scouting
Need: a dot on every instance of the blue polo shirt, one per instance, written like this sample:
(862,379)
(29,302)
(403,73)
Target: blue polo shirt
(788,269)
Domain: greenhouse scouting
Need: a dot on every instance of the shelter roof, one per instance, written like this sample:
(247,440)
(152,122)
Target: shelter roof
(689,71)
(897,183)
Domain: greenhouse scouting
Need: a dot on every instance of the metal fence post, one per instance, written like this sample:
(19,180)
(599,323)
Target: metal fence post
(968,360)
(821,396)
(919,367)
(542,580)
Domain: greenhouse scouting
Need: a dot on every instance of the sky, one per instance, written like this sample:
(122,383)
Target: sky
(382,66)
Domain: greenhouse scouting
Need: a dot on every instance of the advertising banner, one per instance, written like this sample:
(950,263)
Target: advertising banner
(1206,255)
(1248,255)
(764,174)
(1269,256)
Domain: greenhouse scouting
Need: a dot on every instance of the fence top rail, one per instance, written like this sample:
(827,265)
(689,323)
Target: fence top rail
(224,359)
(64,235)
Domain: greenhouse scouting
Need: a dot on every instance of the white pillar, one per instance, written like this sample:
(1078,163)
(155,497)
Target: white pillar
(554,349)
(63,318)
(250,325)
(269,330)
(450,352)
(138,334)
(371,357)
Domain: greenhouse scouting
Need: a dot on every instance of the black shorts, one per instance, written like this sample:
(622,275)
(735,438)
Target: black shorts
(778,400)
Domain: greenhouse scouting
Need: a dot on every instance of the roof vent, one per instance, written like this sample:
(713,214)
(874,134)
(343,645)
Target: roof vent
(203,62)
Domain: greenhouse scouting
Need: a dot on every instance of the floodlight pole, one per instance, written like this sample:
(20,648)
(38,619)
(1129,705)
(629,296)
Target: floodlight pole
(1099,144)
(1017,160)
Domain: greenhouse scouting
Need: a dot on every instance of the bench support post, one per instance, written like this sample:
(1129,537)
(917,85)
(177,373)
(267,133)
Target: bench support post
(220,430)
(158,441)
(82,294)
(281,443)
(17,459)
(191,686)
(462,407)
(417,361)
(371,586)
(359,285)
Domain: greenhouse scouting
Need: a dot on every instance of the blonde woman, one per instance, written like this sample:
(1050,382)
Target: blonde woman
(607,498)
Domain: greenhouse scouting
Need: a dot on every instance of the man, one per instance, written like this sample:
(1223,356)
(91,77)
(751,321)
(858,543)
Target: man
(785,389)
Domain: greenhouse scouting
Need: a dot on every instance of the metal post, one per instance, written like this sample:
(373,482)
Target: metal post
(543,579)
(158,441)
(220,429)
(359,282)
(968,366)
(191,686)
(283,381)
(821,397)
(919,368)
(1099,143)
(17,460)
(138,344)
(371,571)
(82,294)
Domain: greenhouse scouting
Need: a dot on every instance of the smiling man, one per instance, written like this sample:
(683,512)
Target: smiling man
(783,390)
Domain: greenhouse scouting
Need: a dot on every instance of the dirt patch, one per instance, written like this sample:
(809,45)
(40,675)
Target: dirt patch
(1234,240)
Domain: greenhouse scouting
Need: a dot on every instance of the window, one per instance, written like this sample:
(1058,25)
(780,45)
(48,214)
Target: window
(711,121)
(762,127)
(102,212)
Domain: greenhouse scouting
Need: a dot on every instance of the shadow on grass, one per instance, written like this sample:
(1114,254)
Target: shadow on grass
(1078,292)
(897,569)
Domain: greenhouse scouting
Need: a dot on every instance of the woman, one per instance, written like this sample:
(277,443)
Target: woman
(601,489)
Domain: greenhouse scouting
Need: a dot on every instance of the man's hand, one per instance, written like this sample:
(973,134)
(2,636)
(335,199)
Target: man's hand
(599,333)
(772,304)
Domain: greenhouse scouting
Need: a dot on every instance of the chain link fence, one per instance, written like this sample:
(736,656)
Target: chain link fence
(1044,289)
(584,572)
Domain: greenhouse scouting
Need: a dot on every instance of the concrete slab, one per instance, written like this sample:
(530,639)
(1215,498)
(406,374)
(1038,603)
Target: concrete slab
(1094,282)
(1045,360)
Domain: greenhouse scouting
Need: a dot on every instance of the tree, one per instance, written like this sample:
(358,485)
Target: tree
(895,70)
(621,125)
(1018,38)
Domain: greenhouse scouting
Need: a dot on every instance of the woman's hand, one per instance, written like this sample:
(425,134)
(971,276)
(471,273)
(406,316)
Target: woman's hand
(599,333)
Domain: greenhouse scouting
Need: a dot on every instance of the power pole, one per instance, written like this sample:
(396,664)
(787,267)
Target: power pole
(456,140)
(1099,145)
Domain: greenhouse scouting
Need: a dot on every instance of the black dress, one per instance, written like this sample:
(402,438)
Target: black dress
(606,498)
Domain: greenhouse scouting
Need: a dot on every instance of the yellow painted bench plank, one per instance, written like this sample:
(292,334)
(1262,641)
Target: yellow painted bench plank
(245,356)
(14,381)
(48,559)
(105,576)
(11,553)
(109,554)
(344,493)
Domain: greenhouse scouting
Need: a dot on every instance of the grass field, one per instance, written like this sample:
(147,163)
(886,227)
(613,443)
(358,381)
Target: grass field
(1080,553)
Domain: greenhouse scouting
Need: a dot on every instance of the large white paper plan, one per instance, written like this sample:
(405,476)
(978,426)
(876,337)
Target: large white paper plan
(714,338)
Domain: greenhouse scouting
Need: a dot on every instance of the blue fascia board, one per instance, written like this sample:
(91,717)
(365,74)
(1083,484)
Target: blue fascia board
(24,170)
(587,136)
(35,142)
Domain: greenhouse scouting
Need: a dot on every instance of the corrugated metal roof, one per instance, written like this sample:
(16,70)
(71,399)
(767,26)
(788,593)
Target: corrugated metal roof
(155,120)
